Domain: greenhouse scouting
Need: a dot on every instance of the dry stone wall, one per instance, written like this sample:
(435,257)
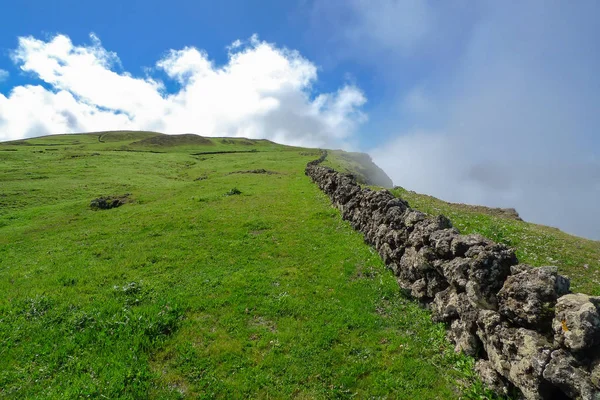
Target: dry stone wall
(522,323)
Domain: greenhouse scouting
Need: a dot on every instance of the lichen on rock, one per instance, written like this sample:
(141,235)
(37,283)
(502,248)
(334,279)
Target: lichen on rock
(577,321)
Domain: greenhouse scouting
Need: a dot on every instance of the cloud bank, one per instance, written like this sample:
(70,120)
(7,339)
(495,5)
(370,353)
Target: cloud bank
(261,92)
(507,117)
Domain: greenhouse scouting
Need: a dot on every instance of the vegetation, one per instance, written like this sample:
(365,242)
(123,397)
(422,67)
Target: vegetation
(185,292)
(537,245)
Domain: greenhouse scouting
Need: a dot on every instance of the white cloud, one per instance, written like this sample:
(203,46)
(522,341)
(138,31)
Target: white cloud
(3,75)
(382,33)
(417,102)
(392,24)
(360,26)
(262,92)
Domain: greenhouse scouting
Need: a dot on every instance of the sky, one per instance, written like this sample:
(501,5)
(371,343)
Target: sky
(492,103)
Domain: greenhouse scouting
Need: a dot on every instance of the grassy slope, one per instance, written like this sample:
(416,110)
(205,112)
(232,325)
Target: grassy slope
(186,292)
(536,245)
(362,166)
(335,159)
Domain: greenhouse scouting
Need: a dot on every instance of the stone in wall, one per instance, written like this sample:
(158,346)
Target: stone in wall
(456,272)
(567,373)
(454,308)
(518,354)
(491,378)
(490,268)
(577,321)
(529,295)
(441,241)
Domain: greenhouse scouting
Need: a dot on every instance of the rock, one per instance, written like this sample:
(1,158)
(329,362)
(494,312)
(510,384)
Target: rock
(255,171)
(456,272)
(565,372)
(441,241)
(422,230)
(417,275)
(395,203)
(397,238)
(385,251)
(454,308)
(466,311)
(412,217)
(435,284)
(493,380)
(106,203)
(444,307)
(381,237)
(393,217)
(418,289)
(517,269)
(350,207)
(413,264)
(462,243)
(329,185)
(487,275)
(448,305)
(462,334)
(394,268)
(345,192)
(595,374)
(528,297)
(576,323)
(518,354)
(378,199)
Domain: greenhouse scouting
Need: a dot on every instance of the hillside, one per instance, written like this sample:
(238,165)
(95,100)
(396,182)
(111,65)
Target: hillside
(226,274)
(537,245)
(361,166)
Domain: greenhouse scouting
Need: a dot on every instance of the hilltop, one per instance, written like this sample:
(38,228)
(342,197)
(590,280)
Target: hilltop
(223,273)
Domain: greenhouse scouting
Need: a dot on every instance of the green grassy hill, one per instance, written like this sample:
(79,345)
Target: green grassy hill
(186,291)
(226,274)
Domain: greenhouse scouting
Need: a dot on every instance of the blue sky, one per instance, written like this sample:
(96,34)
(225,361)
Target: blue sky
(487,102)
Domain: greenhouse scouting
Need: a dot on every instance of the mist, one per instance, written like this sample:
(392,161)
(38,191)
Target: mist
(515,123)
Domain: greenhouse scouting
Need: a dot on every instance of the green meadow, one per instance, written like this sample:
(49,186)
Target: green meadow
(226,274)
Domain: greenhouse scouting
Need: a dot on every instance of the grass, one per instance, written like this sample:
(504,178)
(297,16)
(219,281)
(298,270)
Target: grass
(343,162)
(360,165)
(187,292)
(537,245)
